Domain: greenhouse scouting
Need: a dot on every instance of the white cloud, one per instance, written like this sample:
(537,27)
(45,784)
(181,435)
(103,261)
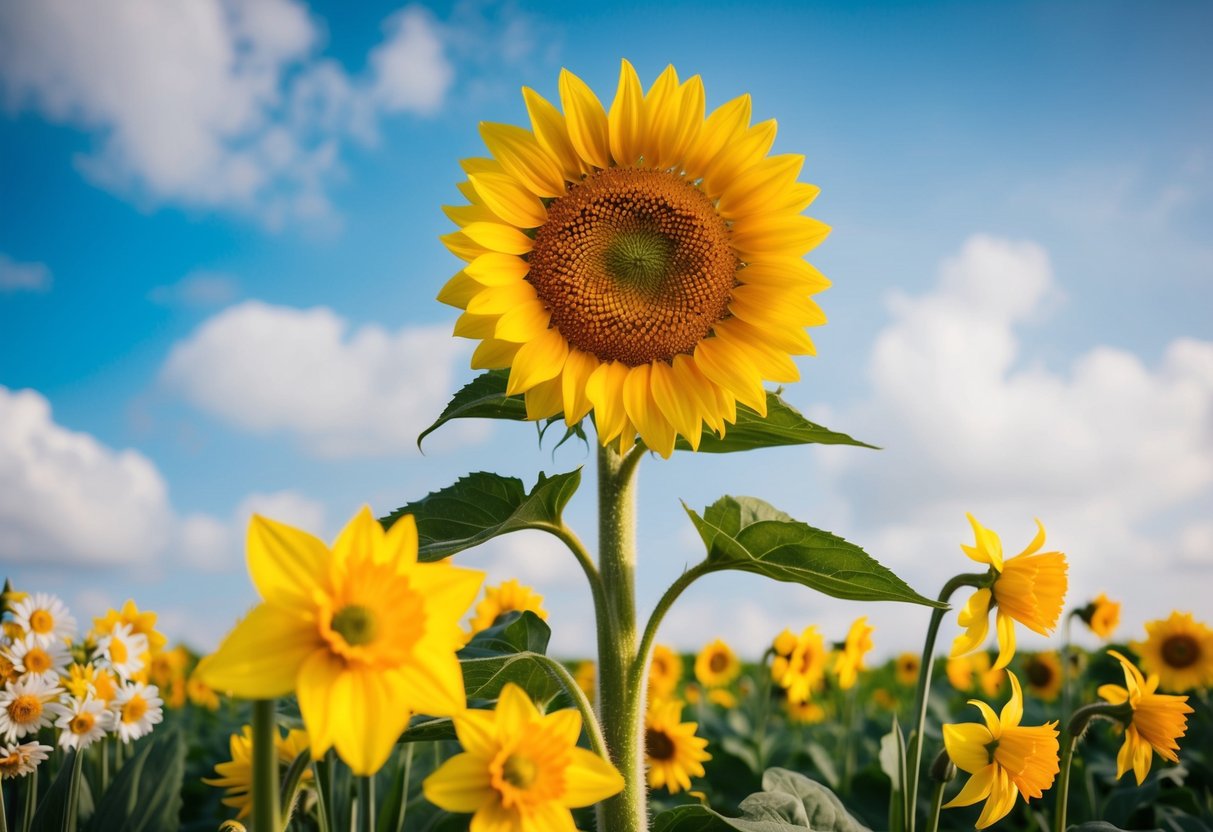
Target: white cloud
(1116,457)
(69,498)
(198,289)
(214,103)
(343,393)
(23,277)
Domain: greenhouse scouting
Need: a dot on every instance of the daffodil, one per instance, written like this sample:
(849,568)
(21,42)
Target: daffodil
(1179,649)
(1029,588)
(1158,720)
(673,754)
(520,770)
(849,660)
(362,633)
(1005,758)
(1102,615)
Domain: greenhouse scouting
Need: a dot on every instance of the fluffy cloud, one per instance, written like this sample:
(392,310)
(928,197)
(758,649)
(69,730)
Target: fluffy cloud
(213,103)
(344,393)
(69,498)
(23,277)
(1115,456)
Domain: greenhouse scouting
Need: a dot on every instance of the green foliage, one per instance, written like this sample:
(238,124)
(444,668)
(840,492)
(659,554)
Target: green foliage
(783,425)
(482,506)
(51,815)
(146,793)
(750,535)
(481,398)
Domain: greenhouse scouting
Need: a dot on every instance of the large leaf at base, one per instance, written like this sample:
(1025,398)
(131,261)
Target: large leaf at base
(481,398)
(783,425)
(145,796)
(748,534)
(788,802)
(482,506)
(514,632)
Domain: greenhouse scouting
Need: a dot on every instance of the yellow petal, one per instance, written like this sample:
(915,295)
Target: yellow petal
(604,388)
(758,186)
(661,106)
(978,787)
(676,404)
(691,380)
(459,291)
(288,566)
(1012,712)
(400,543)
(461,784)
(525,322)
(480,165)
(765,306)
(317,679)
(376,712)
(515,710)
(477,732)
(496,269)
(524,159)
(589,779)
(434,684)
(1038,541)
(1006,640)
(656,431)
(626,120)
(783,271)
(1114,694)
(966,744)
(544,400)
(587,121)
(988,548)
(497,300)
(464,214)
(770,363)
(475,326)
(261,657)
(788,234)
(493,236)
(552,133)
(991,718)
(1002,799)
(741,153)
(463,246)
(492,354)
(732,371)
(510,200)
(578,368)
(536,361)
(722,126)
(357,542)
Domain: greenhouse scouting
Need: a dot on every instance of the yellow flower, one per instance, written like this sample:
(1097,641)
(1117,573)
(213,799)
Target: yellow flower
(236,775)
(520,770)
(167,665)
(1005,758)
(882,698)
(1043,674)
(784,643)
(643,262)
(665,671)
(586,677)
(672,751)
(804,667)
(362,633)
(141,623)
(716,665)
(1158,720)
(849,660)
(1180,650)
(906,667)
(200,694)
(1102,616)
(722,697)
(510,596)
(808,712)
(1029,588)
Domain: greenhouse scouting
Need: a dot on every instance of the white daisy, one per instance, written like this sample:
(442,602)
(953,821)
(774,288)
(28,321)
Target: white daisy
(136,708)
(45,617)
(122,651)
(82,722)
(25,706)
(30,656)
(20,760)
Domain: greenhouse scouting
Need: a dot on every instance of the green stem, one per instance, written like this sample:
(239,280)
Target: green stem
(1077,724)
(848,739)
(1063,784)
(267,816)
(764,712)
(3,815)
(406,772)
(925,669)
(1065,664)
(641,662)
(588,719)
(104,747)
(292,783)
(936,805)
(322,771)
(70,817)
(31,800)
(620,702)
(366,804)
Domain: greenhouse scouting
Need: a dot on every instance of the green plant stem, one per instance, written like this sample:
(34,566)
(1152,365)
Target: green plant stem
(322,771)
(1063,783)
(267,816)
(31,800)
(366,804)
(620,703)
(1075,727)
(3,815)
(588,718)
(292,783)
(406,771)
(570,539)
(641,662)
(71,815)
(925,669)
(764,713)
(104,747)
(1065,664)
(848,739)
(936,806)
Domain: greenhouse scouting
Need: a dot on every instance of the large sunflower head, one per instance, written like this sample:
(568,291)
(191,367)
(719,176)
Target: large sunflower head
(1179,650)
(644,262)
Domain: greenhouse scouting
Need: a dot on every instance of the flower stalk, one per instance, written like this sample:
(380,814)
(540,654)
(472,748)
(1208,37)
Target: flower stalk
(266,812)
(1076,727)
(71,815)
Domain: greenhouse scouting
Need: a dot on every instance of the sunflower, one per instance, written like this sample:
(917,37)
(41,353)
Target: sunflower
(1102,615)
(644,263)
(509,596)
(1158,720)
(716,665)
(1005,758)
(802,670)
(1043,674)
(1180,650)
(235,776)
(809,712)
(1029,588)
(673,753)
(849,660)
(905,669)
(665,671)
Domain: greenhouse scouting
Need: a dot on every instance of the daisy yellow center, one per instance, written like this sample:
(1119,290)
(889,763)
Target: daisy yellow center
(635,265)
(38,661)
(356,624)
(25,709)
(134,710)
(1039,674)
(1180,651)
(7,669)
(10,764)
(41,622)
(82,723)
(118,652)
(718,663)
(658,745)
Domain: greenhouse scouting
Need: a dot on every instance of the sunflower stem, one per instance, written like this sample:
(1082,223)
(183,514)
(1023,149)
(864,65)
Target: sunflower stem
(620,702)
(588,719)
(292,784)
(926,667)
(266,813)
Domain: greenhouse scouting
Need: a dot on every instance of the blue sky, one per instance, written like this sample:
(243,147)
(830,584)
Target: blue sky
(218,253)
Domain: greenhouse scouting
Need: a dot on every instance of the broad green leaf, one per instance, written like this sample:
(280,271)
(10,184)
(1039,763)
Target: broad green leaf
(482,506)
(484,678)
(145,795)
(481,398)
(750,535)
(428,729)
(51,814)
(514,632)
(783,425)
(893,763)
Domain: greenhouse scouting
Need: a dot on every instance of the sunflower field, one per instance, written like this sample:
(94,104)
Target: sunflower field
(634,278)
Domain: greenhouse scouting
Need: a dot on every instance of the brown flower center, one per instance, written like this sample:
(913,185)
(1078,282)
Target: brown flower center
(635,265)
(718,662)
(658,745)
(1180,651)
(1039,674)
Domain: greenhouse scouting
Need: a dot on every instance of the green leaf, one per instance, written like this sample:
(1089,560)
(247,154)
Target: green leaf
(750,535)
(788,802)
(514,632)
(783,425)
(145,796)
(51,814)
(484,678)
(482,506)
(481,398)
(429,729)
